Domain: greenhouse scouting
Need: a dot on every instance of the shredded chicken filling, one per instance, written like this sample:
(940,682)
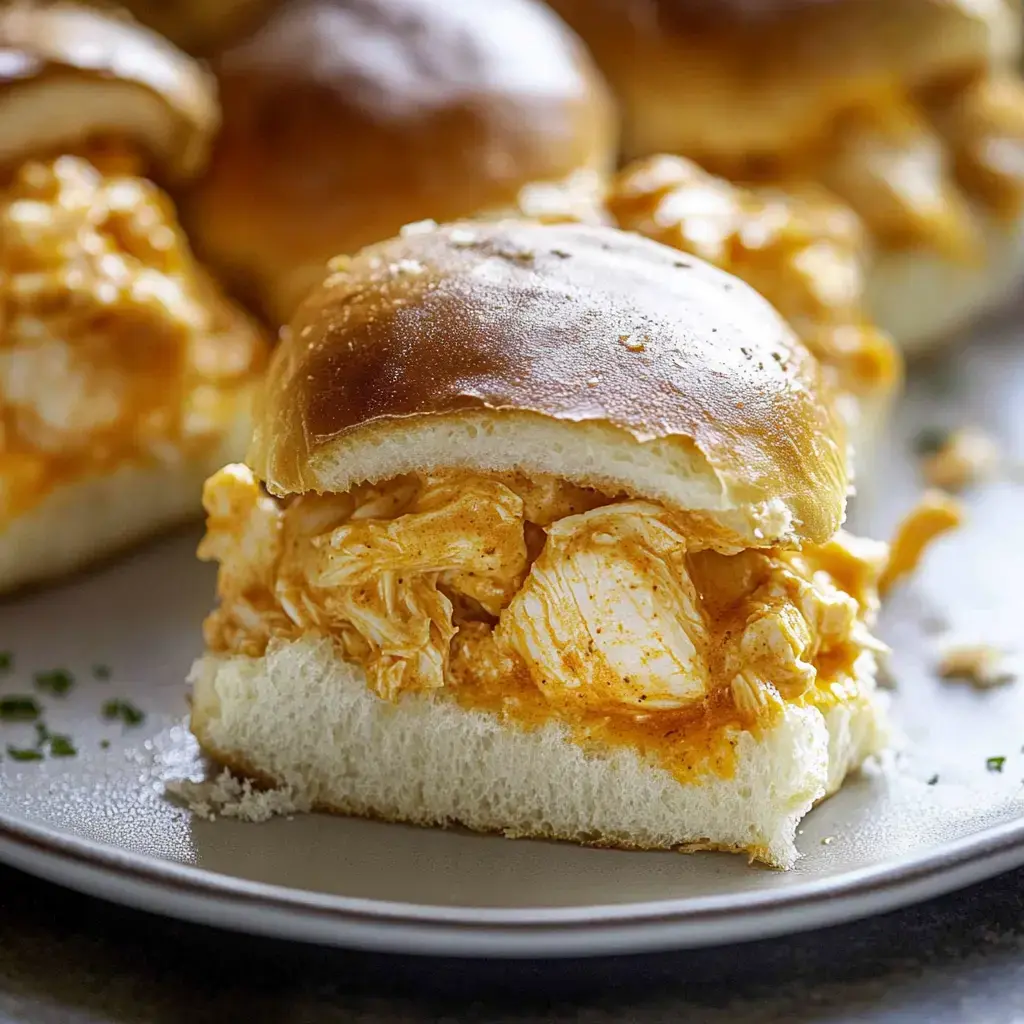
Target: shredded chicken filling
(541,599)
(919,168)
(115,346)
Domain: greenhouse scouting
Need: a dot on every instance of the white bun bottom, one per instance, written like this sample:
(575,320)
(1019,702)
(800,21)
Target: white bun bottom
(94,518)
(922,299)
(302,718)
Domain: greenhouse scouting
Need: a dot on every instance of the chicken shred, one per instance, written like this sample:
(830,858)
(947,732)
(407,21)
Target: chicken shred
(429,581)
(921,166)
(116,345)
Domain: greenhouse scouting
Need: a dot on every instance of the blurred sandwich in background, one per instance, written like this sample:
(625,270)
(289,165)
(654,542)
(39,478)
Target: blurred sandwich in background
(909,111)
(346,119)
(126,375)
(198,26)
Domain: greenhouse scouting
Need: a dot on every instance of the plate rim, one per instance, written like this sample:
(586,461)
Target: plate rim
(194,893)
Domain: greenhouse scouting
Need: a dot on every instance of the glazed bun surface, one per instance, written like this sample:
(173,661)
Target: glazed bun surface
(199,26)
(724,81)
(572,350)
(345,119)
(71,74)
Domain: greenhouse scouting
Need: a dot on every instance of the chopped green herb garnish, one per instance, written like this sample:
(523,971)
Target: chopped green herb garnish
(124,710)
(933,780)
(101,672)
(995,764)
(104,744)
(57,681)
(61,746)
(24,754)
(6,661)
(19,708)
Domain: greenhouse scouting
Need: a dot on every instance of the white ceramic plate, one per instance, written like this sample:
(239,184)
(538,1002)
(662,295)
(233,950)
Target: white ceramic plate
(99,822)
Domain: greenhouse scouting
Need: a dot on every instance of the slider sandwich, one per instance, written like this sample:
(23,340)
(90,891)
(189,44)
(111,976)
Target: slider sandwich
(346,119)
(125,374)
(909,111)
(540,534)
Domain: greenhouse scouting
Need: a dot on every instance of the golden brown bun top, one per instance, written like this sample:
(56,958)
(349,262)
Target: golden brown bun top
(199,26)
(686,13)
(69,74)
(725,78)
(345,119)
(574,324)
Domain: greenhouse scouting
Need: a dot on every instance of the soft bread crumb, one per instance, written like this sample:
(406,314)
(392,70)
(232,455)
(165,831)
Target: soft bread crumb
(922,297)
(981,665)
(229,797)
(588,454)
(304,718)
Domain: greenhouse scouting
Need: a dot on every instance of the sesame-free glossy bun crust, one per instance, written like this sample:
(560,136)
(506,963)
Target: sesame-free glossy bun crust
(345,119)
(721,81)
(689,12)
(69,45)
(200,26)
(573,324)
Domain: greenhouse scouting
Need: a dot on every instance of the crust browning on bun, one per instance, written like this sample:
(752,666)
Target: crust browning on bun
(71,75)
(198,26)
(345,119)
(732,80)
(579,351)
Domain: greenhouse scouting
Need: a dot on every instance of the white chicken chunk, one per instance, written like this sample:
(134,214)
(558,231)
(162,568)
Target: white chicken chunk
(609,616)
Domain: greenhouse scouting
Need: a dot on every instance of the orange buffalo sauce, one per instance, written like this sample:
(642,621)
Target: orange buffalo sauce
(618,624)
(917,164)
(115,346)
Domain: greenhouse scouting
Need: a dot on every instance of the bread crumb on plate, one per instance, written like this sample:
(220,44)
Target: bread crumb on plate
(981,665)
(962,458)
(227,796)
